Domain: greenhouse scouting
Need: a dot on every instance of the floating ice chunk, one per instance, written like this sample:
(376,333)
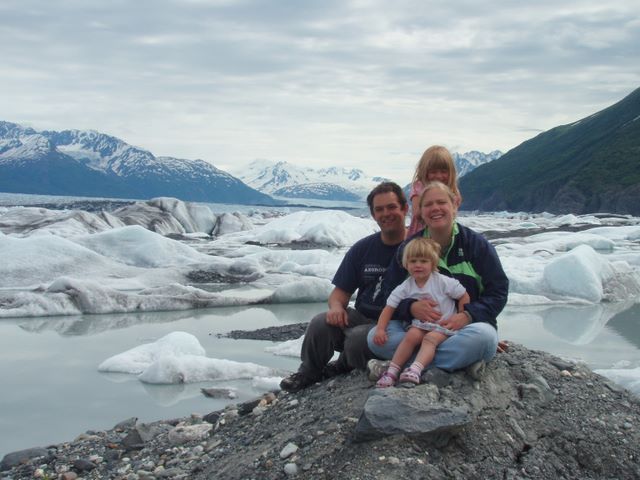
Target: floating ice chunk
(289,348)
(330,228)
(231,222)
(26,221)
(172,369)
(627,232)
(177,358)
(32,260)
(303,290)
(141,357)
(565,241)
(137,246)
(578,273)
(71,296)
(569,219)
(166,215)
(627,377)
(192,216)
(266,384)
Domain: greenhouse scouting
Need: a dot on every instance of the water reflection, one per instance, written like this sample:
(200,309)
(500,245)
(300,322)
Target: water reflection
(576,324)
(94,324)
(581,325)
(627,324)
(59,355)
(241,317)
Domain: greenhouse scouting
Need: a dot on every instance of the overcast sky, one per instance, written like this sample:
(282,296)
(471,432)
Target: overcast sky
(353,83)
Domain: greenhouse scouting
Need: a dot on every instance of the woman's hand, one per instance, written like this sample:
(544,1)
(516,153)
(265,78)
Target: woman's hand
(425,311)
(503,346)
(455,321)
(380,338)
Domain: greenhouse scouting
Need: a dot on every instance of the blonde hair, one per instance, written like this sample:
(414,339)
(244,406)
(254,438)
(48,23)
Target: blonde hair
(437,157)
(438,186)
(421,247)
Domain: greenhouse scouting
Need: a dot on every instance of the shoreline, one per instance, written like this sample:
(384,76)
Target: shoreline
(530,415)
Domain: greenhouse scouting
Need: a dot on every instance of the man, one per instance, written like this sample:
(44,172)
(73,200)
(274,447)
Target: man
(342,328)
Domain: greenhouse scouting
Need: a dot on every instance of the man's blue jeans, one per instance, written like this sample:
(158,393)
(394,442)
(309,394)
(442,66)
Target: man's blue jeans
(476,341)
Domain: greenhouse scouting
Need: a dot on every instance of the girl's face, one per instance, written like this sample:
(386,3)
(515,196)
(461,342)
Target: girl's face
(437,210)
(419,268)
(439,175)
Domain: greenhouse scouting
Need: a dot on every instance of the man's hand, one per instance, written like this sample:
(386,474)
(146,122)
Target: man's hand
(455,321)
(338,317)
(380,338)
(503,346)
(425,311)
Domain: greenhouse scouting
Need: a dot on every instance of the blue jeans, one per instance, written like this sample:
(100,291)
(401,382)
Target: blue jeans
(476,341)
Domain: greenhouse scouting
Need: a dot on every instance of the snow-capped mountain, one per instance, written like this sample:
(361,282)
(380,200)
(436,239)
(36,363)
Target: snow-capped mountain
(320,191)
(284,179)
(466,162)
(292,181)
(89,163)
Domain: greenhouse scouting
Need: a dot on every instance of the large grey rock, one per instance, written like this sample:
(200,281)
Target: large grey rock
(127,424)
(537,391)
(13,459)
(189,433)
(133,440)
(416,411)
(149,431)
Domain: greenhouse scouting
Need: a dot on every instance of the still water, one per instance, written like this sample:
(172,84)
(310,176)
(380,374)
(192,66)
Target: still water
(51,390)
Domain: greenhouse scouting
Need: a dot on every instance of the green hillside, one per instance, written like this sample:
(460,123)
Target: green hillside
(592,165)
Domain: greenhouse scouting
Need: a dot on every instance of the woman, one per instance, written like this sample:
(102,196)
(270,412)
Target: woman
(472,260)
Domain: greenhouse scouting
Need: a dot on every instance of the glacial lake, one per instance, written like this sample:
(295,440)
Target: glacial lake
(52,390)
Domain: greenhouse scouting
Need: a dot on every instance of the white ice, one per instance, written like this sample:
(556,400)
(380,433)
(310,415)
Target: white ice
(289,348)
(69,262)
(74,262)
(629,377)
(330,228)
(178,358)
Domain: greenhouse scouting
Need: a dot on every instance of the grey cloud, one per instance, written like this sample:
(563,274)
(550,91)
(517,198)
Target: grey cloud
(362,67)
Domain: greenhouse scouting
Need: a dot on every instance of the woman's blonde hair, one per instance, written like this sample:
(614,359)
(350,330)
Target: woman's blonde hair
(421,247)
(438,186)
(437,157)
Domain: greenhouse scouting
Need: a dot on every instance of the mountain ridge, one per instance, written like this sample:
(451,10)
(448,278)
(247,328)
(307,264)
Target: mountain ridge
(587,166)
(93,164)
(288,180)
(90,163)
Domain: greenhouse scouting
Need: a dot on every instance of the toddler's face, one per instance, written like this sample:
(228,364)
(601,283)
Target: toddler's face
(419,268)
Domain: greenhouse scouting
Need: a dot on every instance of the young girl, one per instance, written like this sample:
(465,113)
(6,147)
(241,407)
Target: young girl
(436,164)
(420,258)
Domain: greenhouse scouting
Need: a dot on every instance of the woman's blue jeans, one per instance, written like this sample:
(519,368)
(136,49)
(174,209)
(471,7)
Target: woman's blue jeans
(476,341)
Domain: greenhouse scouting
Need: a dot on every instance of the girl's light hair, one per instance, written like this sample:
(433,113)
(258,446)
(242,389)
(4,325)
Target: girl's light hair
(438,186)
(421,247)
(437,157)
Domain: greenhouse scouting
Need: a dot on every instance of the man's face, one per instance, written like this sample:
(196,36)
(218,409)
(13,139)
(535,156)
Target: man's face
(388,213)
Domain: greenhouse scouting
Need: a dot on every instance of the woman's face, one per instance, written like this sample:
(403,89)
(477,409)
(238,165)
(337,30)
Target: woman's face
(437,210)
(440,175)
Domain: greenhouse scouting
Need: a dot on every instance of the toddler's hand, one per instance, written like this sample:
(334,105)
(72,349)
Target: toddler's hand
(380,337)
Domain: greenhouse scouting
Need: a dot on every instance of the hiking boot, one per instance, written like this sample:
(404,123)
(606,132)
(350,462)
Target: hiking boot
(296,382)
(375,368)
(333,369)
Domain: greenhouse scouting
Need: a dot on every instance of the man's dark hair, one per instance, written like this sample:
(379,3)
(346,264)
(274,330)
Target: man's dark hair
(386,187)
